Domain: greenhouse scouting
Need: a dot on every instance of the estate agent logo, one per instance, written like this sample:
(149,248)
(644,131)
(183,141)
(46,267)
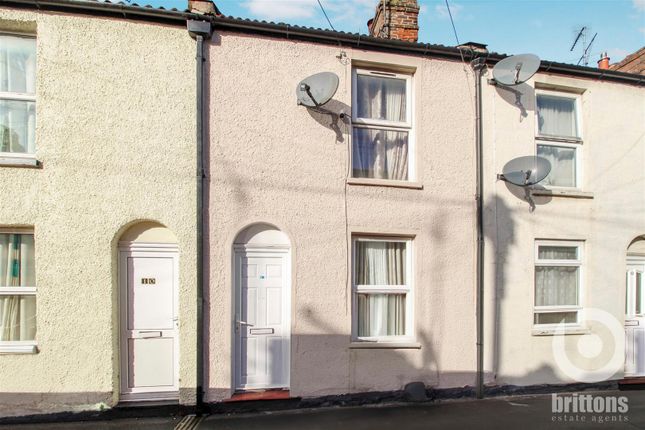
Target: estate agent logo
(589,408)
(591,346)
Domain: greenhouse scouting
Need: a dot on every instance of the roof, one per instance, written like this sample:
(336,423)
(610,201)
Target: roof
(177,17)
(633,63)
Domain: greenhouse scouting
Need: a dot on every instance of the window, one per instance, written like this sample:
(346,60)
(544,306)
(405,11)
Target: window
(558,137)
(382,293)
(17,95)
(17,292)
(382,125)
(558,281)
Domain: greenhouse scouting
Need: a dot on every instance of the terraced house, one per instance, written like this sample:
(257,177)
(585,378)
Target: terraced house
(184,231)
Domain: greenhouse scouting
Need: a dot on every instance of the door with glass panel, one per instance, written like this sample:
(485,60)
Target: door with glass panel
(262,328)
(149,323)
(635,318)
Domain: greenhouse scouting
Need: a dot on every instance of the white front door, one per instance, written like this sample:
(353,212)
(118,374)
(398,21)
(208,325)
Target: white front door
(149,347)
(262,327)
(635,319)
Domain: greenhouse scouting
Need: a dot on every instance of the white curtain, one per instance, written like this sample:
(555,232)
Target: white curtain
(381,98)
(556,285)
(17,312)
(380,153)
(563,165)
(17,75)
(557,116)
(381,315)
(380,263)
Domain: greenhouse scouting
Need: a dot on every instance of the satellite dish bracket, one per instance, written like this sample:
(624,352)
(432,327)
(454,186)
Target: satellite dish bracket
(306,88)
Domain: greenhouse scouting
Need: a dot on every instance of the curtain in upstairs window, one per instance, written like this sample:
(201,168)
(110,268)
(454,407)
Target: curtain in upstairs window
(17,312)
(381,98)
(379,153)
(557,116)
(18,79)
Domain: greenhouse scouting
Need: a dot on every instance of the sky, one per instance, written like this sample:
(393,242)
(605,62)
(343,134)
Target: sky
(546,28)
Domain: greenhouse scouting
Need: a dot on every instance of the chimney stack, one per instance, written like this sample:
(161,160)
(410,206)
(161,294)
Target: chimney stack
(204,7)
(603,63)
(395,19)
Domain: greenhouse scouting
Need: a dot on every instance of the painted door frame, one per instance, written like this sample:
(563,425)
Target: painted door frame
(140,249)
(634,262)
(260,251)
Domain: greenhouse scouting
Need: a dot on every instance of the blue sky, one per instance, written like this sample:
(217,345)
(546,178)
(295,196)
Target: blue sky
(543,27)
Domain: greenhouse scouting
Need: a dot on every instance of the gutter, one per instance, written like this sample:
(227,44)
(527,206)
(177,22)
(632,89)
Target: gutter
(200,31)
(281,30)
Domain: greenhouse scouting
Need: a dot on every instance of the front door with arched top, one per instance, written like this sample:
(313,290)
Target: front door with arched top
(635,310)
(148,283)
(262,311)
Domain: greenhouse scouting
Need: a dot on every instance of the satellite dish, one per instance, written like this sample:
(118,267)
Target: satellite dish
(516,69)
(316,90)
(526,171)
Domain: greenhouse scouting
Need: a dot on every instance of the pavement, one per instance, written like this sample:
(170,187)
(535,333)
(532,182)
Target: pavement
(518,412)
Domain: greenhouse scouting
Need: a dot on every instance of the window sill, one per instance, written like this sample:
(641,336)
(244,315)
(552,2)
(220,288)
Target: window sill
(564,139)
(384,345)
(385,183)
(554,331)
(28,162)
(574,194)
(19,348)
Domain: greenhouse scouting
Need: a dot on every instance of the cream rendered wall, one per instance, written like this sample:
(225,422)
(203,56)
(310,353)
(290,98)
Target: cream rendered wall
(115,134)
(273,161)
(613,118)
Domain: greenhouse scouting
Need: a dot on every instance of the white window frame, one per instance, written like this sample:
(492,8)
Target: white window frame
(380,124)
(406,289)
(18,346)
(9,95)
(579,263)
(575,143)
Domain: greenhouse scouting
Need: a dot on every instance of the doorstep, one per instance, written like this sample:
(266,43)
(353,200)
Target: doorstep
(244,396)
(632,382)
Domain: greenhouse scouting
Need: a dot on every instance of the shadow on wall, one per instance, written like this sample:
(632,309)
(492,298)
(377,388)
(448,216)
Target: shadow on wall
(503,232)
(329,116)
(521,96)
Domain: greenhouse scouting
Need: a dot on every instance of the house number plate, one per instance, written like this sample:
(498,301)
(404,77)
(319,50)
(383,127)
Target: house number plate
(148,281)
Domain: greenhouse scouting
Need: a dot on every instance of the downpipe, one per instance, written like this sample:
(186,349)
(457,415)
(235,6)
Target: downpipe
(200,31)
(479,65)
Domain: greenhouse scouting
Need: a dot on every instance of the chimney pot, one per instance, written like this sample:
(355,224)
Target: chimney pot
(603,63)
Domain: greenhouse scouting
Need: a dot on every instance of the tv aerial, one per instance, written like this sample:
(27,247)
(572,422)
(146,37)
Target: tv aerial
(525,171)
(316,90)
(515,70)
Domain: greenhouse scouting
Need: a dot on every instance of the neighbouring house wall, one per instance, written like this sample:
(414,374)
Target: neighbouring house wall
(613,152)
(115,135)
(276,162)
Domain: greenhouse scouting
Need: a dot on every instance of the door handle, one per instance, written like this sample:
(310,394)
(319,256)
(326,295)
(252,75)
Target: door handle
(243,323)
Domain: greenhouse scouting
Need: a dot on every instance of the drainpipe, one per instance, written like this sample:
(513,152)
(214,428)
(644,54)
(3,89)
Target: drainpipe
(479,65)
(200,31)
